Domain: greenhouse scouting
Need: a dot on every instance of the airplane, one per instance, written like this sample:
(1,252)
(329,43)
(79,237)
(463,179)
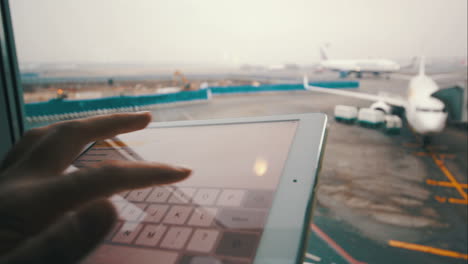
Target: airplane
(426,114)
(347,67)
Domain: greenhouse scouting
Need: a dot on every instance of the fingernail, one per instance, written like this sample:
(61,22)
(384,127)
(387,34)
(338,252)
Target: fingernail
(182,169)
(145,113)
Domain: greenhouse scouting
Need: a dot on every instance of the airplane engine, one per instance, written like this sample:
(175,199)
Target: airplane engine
(381,106)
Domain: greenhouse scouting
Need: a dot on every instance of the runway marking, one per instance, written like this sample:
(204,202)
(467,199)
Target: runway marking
(334,245)
(427,249)
(441,199)
(449,175)
(445,184)
(313,257)
(441,156)
(457,201)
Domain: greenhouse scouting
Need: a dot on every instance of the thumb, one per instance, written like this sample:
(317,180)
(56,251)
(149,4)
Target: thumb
(69,240)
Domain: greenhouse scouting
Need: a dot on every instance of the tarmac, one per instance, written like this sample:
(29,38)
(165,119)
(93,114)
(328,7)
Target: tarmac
(381,198)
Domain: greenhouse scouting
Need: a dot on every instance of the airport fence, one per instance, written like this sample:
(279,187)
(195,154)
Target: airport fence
(61,109)
(217,90)
(58,109)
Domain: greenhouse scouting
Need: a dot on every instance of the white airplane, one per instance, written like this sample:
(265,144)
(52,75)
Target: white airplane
(346,67)
(425,113)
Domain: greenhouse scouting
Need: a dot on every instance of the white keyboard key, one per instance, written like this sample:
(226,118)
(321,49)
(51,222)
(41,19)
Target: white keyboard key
(127,233)
(114,254)
(138,195)
(150,235)
(159,195)
(231,198)
(205,196)
(155,212)
(203,240)
(203,216)
(178,215)
(182,195)
(132,211)
(119,206)
(176,237)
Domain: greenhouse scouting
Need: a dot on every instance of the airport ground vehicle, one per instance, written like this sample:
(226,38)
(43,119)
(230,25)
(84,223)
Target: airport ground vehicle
(393,124)
(345,113)
(368,117)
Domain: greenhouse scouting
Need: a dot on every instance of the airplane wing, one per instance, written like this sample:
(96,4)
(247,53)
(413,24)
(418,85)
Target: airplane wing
(369,97)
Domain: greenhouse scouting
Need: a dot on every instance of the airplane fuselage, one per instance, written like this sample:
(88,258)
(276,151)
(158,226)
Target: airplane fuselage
(425,114)
(374,66)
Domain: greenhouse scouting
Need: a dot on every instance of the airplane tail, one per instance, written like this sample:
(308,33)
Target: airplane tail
(306,82)
(323,54)
(411,64)
(422,66)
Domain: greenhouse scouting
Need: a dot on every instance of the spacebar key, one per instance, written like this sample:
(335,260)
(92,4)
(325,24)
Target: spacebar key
(110,254)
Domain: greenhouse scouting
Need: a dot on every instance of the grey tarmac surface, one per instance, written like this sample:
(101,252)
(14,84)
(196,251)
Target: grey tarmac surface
(373,191)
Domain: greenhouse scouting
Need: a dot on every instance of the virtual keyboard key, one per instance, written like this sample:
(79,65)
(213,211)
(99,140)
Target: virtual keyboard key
(231,198)
(258,199)
(176,237)
(155,212)
(138,195)
(203,240)
(150,235)
(206,196)
(132,211)
(203,217)
(177,215)
(241,218)
(237,245)
(181,195)
(159,194)
(127,233)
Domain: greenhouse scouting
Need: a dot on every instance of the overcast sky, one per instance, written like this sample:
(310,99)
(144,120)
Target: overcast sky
(236,31)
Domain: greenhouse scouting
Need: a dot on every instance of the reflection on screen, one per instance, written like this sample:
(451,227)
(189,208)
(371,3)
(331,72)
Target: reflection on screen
(218,214)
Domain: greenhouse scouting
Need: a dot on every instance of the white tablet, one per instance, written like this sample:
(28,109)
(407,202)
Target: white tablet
(249,198)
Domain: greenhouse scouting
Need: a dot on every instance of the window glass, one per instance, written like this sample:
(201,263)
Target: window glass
(81,58)
(203,59)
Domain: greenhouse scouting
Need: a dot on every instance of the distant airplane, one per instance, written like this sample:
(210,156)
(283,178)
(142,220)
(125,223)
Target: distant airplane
(347,67)
(425,113)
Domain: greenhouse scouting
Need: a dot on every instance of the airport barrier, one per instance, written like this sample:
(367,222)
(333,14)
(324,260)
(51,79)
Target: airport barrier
(63,108)
(280,87)
(59,109)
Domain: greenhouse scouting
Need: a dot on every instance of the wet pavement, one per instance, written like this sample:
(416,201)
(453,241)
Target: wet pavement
(381,198)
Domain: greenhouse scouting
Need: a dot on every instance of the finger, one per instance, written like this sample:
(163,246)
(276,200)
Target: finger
(29,140)
(62,194)
(66,140)
(70,240)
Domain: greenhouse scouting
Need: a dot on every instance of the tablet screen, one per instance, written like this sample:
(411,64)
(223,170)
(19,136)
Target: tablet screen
(215,216)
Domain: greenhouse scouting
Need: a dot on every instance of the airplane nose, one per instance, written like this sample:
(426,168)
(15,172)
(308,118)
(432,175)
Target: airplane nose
(434,123)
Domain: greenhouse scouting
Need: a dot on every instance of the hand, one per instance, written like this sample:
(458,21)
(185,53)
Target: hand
(49,217)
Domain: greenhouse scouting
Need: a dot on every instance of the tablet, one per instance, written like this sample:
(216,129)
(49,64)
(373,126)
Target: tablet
(249,198)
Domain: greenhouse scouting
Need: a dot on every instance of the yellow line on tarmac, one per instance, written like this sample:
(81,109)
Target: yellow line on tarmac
(457,201)
(445,184)
(449,175)
(426,249)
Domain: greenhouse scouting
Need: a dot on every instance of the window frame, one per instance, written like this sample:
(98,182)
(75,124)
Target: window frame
(11,92)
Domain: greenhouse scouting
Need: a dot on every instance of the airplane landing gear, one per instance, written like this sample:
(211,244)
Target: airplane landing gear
(426,141)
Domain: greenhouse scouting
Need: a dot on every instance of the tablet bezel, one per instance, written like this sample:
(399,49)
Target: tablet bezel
(285,234)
